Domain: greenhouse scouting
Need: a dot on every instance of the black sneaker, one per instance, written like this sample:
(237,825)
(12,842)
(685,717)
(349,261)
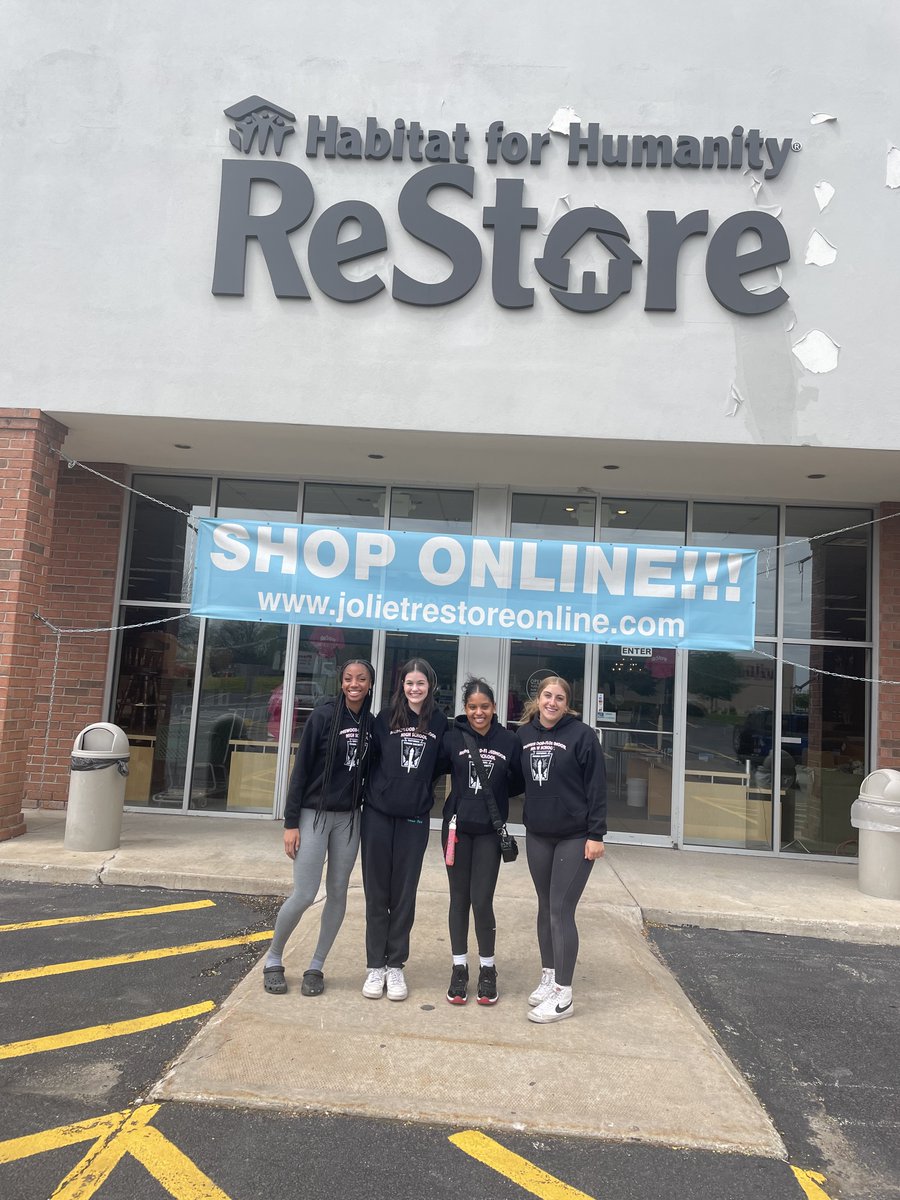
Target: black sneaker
(487,985)
(458,991)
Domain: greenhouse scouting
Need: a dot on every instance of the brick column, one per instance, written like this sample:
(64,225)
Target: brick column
(28,474)
(887,750)
(79,592)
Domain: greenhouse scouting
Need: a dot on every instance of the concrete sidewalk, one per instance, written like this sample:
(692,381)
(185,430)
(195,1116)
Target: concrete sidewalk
(635,1062)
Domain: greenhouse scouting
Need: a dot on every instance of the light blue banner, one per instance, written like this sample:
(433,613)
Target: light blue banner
(622,595)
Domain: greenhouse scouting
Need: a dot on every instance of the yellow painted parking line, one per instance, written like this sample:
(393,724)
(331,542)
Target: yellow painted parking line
(99,1033)
(112,1137)
(809,1182)
(516,1168)
(110,916)
(116,960)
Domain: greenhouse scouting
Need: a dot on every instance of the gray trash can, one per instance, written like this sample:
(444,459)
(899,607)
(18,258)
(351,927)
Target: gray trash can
(97,788)
(876,814)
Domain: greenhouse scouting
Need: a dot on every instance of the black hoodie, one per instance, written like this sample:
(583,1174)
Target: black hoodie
(308,775)
(404,766)
(499,752)
(565,779)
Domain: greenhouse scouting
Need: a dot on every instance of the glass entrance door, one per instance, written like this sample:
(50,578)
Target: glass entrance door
(635,702)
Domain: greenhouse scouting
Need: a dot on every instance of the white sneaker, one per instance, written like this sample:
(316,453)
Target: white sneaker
(544,988)
(396,984)
(556,1007)
(373,988)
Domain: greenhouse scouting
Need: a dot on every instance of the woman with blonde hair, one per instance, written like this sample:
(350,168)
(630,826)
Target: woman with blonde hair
(565,819)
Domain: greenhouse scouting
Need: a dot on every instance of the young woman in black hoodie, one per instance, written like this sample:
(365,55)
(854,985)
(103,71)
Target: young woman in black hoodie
(321,817)
(476,857)
(406,744)
(565,819)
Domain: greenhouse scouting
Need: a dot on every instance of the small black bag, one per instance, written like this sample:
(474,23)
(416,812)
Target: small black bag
(509,847)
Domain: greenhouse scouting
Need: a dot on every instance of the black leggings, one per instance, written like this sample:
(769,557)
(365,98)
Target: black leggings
(473,878)
(559,871)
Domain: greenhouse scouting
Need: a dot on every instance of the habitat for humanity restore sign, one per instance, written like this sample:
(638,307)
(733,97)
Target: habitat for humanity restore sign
(486,587)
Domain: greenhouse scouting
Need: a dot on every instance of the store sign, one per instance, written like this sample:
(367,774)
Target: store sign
(260,124)
(484,587)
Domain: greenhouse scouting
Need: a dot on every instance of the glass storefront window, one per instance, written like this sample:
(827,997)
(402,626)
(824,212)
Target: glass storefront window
(730,706)
(234,757)
(354,506)
(823,747)
(442,651)
(555,518)
(152,703)
(745,527)
(161,544)
(826,580)
(635,706)
(643,522)
(429,510)
(257,500)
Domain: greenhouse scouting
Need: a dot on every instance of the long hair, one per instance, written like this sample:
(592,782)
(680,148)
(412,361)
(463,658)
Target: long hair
(338,717)
(532,705)
(401,714)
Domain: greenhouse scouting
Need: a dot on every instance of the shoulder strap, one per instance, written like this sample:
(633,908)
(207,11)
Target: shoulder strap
(474,755)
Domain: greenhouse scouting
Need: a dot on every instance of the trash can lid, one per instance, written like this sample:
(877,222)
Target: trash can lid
(881,787)
(101,740)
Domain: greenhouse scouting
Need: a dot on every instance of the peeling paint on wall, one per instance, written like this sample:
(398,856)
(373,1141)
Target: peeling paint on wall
(821,118)
(819,251)
(892,179)
(824,193)
(562,119)
(817,352)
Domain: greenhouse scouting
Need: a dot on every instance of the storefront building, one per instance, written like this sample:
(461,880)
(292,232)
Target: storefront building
(385,295)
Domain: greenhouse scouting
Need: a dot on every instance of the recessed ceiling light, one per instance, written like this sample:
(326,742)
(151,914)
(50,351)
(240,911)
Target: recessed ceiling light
(815,477)
(376,456)
(610,467)
(570,508)
(621,512)
(181,445)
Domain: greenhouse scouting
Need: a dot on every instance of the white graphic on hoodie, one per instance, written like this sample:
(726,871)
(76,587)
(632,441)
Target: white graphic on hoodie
(541,758)
(411,748)
(474,781)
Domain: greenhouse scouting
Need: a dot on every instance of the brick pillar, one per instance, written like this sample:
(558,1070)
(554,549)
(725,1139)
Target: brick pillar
(79,593)
(887,751)
(28,474)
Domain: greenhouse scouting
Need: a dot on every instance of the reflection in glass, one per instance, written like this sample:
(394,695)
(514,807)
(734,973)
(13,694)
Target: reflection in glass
(429,510)
(826,580)
(354,506)
(323,650)
(643,522)
(823,740)
(153,703)
(554,518)
(161,561)
(234,758)
(744,527)
(635,714)
(257,500)
(731,700)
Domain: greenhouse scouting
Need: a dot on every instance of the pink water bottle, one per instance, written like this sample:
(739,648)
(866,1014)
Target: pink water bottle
(450,852)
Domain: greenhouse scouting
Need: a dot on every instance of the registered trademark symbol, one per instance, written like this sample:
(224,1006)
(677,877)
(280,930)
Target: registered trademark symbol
(795,146)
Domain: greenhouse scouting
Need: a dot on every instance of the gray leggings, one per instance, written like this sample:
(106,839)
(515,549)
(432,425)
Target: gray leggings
(559,872)
(332,837)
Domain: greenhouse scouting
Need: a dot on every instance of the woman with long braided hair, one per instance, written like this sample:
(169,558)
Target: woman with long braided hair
(321,819)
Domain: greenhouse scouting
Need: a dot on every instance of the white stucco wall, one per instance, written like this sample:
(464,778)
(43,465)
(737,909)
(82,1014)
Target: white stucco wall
(113,139)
